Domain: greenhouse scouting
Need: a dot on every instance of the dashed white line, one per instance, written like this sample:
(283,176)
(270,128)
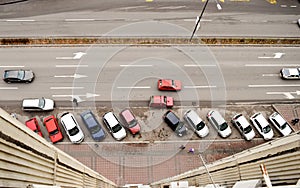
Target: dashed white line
(20,20)
(283,6)
(136,65)
(79,19)
(12,66)
(66,87)
(192,65)
(199,87)
(293,6)
(7,88)
(70,66)
(135,87)
(272,65)
(285,85)
(270,75)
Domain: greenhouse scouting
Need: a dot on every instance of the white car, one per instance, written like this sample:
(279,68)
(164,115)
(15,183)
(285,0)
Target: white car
(290,73)
(243,126)
(280,124)
(262,126)
(219,123)
(196,123)
(114,126)
(72,128)
(38,104)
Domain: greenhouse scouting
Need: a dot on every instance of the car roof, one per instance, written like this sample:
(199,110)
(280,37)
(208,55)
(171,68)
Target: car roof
(50,124)
(217,116)
(11,73)
(194,116)
(261,119)
(31,102)
(278,118)
(109,116)
(68,120)
(172,117)
(31,124)
(127,115)
(243,121)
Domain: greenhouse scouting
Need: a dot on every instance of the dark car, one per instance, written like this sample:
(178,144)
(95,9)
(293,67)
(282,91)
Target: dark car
(34,126)
(93,125)
(130,122)
(18,76)
(174,123)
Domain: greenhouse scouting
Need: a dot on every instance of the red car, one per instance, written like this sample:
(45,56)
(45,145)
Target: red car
(130,122)
(168,85)
(161,102)
(34,125)
(53,129)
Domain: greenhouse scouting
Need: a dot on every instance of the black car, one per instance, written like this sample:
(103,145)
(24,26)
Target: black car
(18,76)
(174,123)
(93,125)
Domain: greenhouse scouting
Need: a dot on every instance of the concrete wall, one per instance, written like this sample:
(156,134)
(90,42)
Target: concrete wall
(26,158)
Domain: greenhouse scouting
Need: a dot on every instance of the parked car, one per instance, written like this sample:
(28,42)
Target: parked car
(114,126)
(93,125)
(280,124)
(174,123)
(197,124)
(262,126)
(219,123)
(18,76)
(34,126)
(38,104)
(243,126)
(168,85)
(290,73)
(130,121)
(53,129)
(72,128)
(161,101)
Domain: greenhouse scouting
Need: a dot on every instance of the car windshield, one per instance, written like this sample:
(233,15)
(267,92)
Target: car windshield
(41,103)
(95,129)
(116,128)
(132,123)
(266,129)
(248,129)
(283,126)
(223,126)
(200,126)
(21,75)
(73,131)
(54,132)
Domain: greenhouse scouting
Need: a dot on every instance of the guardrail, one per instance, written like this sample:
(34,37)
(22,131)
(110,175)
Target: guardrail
(26,158)
(281,158)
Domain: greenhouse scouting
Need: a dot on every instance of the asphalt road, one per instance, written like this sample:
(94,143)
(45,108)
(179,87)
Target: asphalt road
(163,18)
(129,73)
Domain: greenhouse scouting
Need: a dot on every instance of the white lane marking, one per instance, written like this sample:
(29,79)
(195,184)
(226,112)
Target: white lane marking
(6,88)
(77,55)
(270,74)
(193,20)
(272,65)
(283,6)
(87,95)
(286,94)
(286,85)
(20,20)
(277,55)
(172,7)
(199,87)
(66,87)
(70,66)
(136,65)
(192,65)
(293,6)
(79,19)
(135,87)
(71,76)
(12,66)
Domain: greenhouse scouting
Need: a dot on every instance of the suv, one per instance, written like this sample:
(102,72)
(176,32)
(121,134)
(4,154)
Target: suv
(243,126)
(114,126)
(197,124)
(40,104)
(219,123)
(280,124)
(53,129)
(262,126)
(92,125)
(72,128)
(130,121)
(34,126)
(174,123)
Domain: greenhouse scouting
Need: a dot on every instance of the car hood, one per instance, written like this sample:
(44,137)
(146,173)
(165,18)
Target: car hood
(135,129)
(120,134)
(28,75)
(269,135)
(286,131)
(99,135)
(49,104)
(250,135)
(77,138)
(226,132)
(203,132)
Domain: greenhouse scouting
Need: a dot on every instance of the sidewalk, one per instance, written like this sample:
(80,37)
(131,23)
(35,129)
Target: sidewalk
(289,112)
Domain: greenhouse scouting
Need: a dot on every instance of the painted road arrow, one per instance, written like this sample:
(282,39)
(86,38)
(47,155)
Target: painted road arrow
(71,76)
(277,55)
(77,55)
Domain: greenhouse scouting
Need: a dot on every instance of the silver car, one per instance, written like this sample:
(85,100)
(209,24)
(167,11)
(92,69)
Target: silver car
(219,123)
(243,126)
(290,73)
(197,124)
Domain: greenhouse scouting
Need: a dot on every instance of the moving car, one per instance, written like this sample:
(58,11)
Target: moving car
(34,126)
(174,123)
(18,76)
(280,124)
(290,73)
(114,126)
(38,104)
(72,128)
(262,126)
(219,123)
(197,124)
(53,129)
(130,121)
(243,126)
(161,102)
(168,85)
(93,125)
